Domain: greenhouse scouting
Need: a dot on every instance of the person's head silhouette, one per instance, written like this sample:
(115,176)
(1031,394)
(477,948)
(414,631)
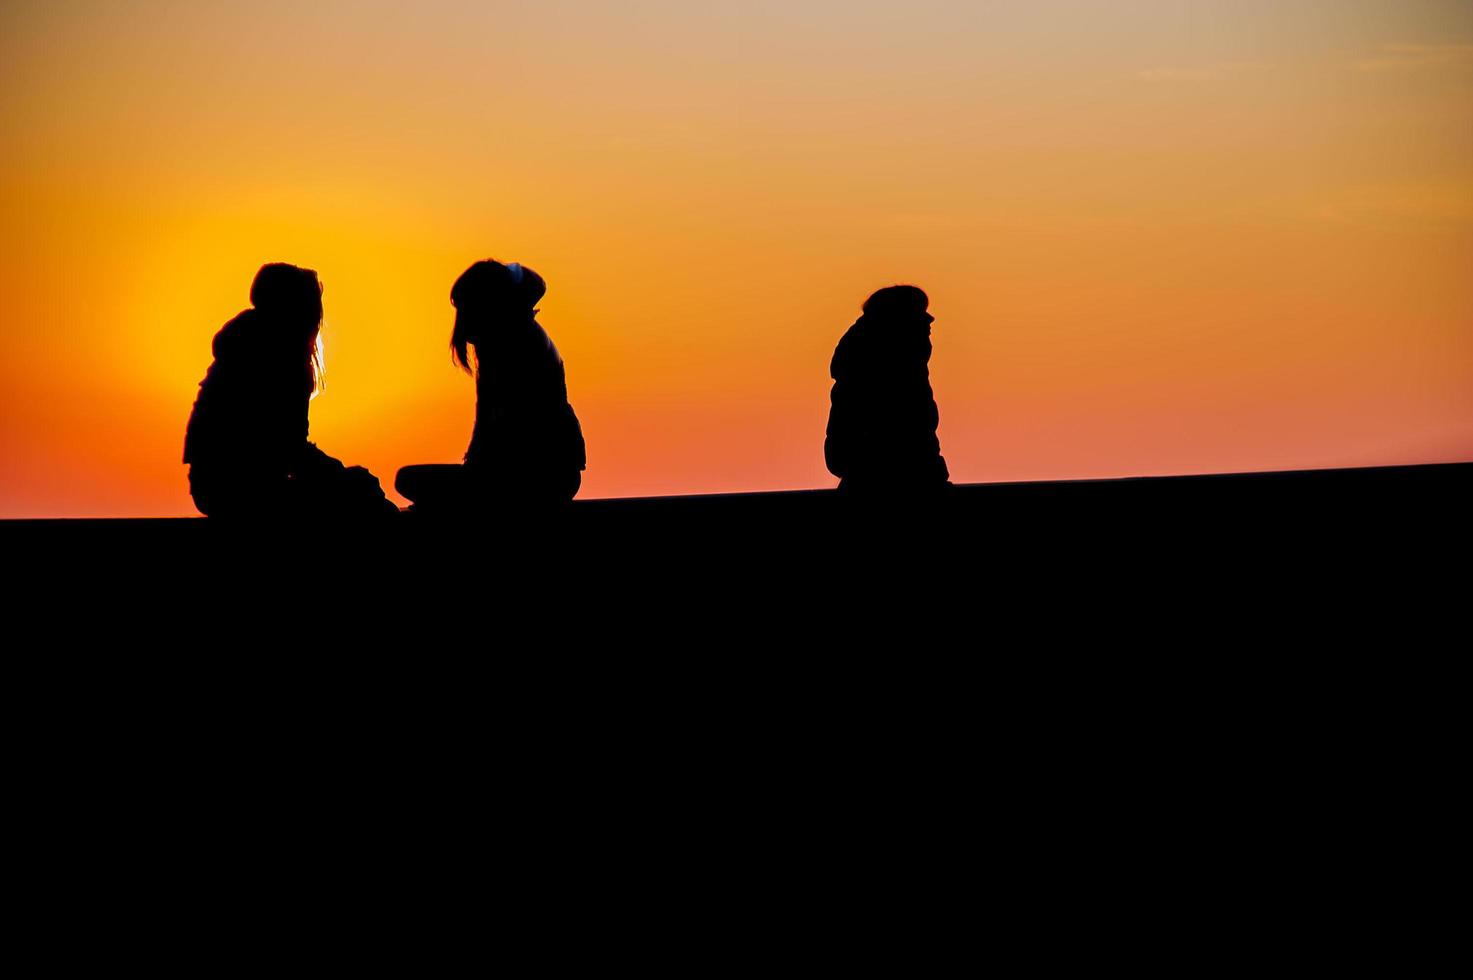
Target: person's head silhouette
(290,295)
(898,304)
(490,296)
(287,300)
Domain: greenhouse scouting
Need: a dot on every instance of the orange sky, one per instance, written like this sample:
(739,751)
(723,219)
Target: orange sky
(1159,237)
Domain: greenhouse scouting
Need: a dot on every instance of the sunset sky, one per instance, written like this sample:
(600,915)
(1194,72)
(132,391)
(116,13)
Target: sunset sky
(1159,236)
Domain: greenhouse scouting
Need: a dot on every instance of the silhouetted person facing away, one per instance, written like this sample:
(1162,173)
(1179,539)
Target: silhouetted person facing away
(882,423)
(527,446)
(246,444)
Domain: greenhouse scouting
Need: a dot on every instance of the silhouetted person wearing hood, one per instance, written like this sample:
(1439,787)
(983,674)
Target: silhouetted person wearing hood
(882,423)
(246,444)
(527,446)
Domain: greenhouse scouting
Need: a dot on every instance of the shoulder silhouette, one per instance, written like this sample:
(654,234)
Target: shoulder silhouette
(246,442)
(881,435)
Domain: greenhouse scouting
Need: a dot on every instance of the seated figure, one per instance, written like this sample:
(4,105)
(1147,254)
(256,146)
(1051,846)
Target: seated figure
(881,435)
(527,446)
(246,442)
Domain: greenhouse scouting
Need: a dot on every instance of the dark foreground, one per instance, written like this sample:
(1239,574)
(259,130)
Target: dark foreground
(1304,577)
(1145,724)
(1010,566)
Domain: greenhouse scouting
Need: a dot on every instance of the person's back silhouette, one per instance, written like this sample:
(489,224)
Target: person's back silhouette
(527,445)
(246,442)
(881,434)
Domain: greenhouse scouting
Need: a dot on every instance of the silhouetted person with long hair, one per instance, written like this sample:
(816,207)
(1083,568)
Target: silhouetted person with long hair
(882,423)
(246,444)
(527,446)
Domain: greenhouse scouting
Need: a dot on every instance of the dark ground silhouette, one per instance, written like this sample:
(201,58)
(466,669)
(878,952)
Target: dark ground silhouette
(1150,548)
(527,446)
(882,423)
(246,443)
(1121,682)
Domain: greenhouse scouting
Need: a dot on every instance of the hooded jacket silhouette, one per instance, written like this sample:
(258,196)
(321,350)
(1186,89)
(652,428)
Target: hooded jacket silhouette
(883,417)
(251,412)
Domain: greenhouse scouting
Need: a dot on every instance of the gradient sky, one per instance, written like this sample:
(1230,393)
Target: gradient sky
(1159,237)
